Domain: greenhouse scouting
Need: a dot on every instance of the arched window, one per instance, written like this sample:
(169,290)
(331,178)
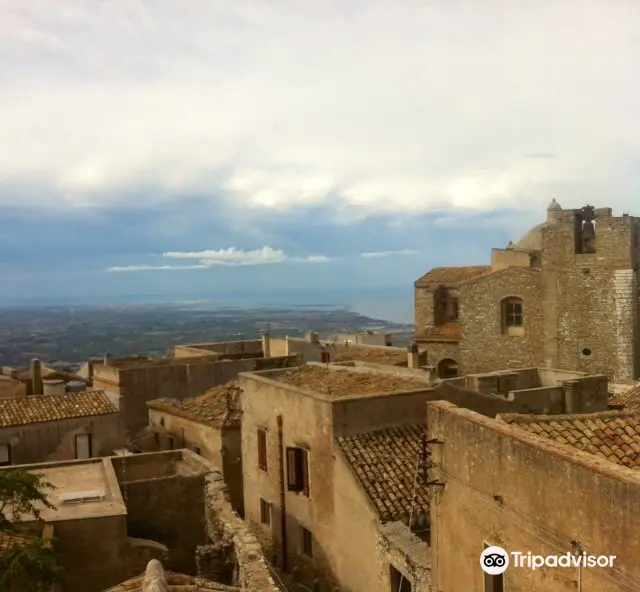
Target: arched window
(512,316)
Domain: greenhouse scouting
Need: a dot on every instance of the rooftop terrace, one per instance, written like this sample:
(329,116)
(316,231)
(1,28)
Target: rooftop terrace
(339,381)
(93,479)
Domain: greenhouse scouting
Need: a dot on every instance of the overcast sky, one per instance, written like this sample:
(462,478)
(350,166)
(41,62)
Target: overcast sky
(212,144)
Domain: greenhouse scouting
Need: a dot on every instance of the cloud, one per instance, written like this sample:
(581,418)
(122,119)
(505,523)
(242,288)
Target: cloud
(154,267)
(313,259)
(232,256)
(226,257)
(108,104)
(384,254)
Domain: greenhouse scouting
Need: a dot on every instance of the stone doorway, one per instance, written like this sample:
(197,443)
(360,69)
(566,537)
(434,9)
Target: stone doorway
(447,368)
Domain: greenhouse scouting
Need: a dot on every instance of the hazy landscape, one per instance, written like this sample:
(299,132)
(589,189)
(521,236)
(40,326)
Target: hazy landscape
(65,336)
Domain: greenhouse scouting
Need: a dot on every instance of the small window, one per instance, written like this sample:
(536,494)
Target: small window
(262,449)
(5,455)
(298,470)
(307,542)
(265,512)
(171,442)
(512,316)
(83,446)
(196,449)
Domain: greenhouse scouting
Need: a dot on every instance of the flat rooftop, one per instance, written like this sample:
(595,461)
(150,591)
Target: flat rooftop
(95,476)
(342,382)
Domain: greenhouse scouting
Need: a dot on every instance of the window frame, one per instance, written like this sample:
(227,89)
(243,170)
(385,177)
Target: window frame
(263,450)
(297,470)
(512,313)
(89,446)
(7,446)
(265,512)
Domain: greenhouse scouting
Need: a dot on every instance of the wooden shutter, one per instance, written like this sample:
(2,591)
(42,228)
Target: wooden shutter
(291,470)
(304,469)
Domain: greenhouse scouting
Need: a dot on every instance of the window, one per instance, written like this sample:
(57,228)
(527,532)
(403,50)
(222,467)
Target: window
(5,455)
(196,449)
(512,316)
(265,512)
(171,442)
(493,583)
(83,446)
(307,542)
(298,470)
(262,449)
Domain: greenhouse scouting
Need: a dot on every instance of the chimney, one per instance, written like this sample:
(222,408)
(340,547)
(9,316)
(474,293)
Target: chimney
(311,337)
(413,358)
(36,377)
(266,345)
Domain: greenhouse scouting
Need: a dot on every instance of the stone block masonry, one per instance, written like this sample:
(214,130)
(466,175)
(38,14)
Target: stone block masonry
(224,526)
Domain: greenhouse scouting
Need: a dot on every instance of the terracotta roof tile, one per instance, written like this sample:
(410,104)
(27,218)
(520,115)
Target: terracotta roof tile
(451,275)
(209,409)
(614,435)
(41,408)
(384,463)
(450,332)
(630,398)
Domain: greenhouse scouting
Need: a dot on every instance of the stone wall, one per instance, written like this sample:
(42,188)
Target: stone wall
(138,383)
(225,526)
(168,510)
(531,495)
(483,345)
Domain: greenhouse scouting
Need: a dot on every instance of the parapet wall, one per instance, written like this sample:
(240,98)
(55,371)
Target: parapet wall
(223,524)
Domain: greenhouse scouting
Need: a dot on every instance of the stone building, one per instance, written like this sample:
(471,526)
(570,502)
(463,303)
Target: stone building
(563,486)
(42,428)
(112,516)
(565,296)
(191,372)
(380,500)
(208,425)
(298,488)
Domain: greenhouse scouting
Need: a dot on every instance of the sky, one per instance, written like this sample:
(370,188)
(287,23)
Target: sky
(193,148)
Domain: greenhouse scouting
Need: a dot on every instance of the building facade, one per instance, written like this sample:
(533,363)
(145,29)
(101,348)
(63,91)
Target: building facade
(290,420)
(42,428)
(565,296)
(554,486)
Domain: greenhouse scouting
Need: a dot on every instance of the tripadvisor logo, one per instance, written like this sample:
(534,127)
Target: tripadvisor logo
(495,560)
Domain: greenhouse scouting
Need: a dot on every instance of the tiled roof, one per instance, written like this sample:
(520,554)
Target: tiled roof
(41,408)
(450,332)
(614,435)
(630,398)
(384,462)
(451,275)
(210,408)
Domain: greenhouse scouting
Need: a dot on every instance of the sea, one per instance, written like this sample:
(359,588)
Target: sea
(389,304)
